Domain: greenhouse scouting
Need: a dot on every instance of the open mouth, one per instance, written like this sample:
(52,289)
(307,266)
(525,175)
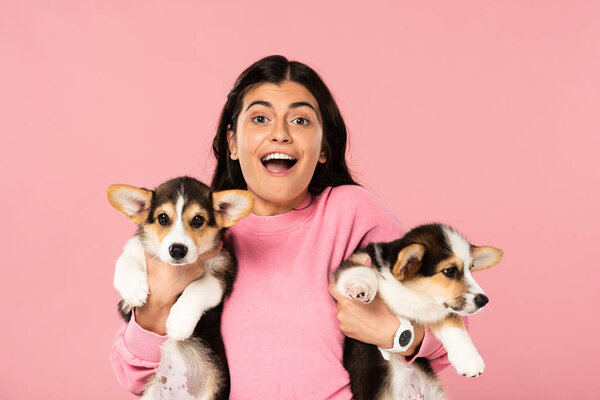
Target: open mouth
(278,163)
(457,308)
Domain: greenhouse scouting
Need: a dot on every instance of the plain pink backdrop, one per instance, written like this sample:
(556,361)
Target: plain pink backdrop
(480,114)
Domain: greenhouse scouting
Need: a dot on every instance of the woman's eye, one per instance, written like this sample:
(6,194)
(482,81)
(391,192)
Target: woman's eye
(451,272)
(197,222)
(300,121)
(163,219)
(260,119)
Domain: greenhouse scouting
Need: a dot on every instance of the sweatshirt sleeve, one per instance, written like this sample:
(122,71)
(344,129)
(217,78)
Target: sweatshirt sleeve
(378,221)
(135,355)
(431,349)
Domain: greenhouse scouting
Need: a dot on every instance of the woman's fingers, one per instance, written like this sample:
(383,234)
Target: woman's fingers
(334,292)
(194,271)
(370,323)
(165,282)
(170,280)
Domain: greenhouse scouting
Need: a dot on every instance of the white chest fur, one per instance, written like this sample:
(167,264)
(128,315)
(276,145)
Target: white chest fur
(409,382)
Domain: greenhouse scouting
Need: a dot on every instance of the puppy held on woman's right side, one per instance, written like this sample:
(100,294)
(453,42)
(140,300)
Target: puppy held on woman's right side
(179,222)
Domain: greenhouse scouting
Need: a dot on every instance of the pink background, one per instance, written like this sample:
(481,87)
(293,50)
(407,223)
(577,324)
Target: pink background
(479,114)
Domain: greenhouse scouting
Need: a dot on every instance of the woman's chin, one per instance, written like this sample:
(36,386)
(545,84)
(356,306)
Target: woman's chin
(277,203)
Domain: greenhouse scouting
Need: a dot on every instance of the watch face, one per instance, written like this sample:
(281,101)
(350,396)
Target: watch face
(404,338)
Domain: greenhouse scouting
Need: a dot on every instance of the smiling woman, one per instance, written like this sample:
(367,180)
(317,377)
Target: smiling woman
(282,137)
(278,142)
(296,95)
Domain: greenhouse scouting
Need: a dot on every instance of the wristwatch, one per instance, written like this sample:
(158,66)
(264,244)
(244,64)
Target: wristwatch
(403,339)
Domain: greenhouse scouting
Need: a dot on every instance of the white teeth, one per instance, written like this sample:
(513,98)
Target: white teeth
(277,156)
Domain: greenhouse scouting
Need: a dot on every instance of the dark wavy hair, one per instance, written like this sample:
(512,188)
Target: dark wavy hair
(277,69)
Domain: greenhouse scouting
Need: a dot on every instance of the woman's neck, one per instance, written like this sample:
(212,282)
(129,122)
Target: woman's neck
(264,207)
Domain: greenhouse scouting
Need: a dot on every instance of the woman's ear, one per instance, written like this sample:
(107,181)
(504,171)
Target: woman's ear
(323,158)
(232,144)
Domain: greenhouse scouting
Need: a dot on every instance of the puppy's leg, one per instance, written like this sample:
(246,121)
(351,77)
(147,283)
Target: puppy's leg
(358,282)
(197,298)
(131,277)
(462,353)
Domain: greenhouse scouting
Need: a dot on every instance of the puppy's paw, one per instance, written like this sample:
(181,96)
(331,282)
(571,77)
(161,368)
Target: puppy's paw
(133,288)
(360,291)
(359,283)
(180,324)
(467,363)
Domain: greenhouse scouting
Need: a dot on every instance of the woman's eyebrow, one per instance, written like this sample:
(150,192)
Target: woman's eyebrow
(292,106)
(302,103)
(259,102)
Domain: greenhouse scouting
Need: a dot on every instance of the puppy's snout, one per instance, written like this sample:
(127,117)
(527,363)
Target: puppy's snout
(481,300)
(177,251)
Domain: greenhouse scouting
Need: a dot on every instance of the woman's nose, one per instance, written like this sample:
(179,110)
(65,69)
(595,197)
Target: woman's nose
(280,134)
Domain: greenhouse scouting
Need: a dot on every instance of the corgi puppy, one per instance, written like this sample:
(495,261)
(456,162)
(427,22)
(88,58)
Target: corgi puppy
(426,277)
(178,222)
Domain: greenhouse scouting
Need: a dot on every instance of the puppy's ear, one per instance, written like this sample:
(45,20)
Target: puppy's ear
(232,205)
(131,201)
(409,261)
(485,257)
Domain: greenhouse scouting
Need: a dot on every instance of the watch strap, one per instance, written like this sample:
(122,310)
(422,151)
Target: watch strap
(403,339)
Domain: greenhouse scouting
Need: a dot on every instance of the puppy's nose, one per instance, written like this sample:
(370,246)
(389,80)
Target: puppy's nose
(177,251)
(481,300)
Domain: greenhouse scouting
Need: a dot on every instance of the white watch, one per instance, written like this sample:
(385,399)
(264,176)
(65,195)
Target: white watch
(403,339)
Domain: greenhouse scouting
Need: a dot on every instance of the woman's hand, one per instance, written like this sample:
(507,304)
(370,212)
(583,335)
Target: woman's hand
(165,283)
(371,323)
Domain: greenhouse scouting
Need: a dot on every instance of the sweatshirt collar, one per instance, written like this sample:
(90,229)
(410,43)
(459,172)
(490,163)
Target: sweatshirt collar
(278,224)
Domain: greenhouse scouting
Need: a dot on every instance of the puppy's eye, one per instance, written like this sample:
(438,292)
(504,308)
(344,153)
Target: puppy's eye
(197,222)
(451,272)
(163,219)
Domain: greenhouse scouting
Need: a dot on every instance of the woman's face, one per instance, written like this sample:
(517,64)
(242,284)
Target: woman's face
(278,143)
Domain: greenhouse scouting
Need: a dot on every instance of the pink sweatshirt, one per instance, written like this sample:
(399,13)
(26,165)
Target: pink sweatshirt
(279,326)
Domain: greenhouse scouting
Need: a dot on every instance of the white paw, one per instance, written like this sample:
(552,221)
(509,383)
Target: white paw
(180,324)
(467,363)
(133,288)
(360,290)
(359,283)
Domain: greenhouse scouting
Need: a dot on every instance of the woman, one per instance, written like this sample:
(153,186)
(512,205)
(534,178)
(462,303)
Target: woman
(281,136)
